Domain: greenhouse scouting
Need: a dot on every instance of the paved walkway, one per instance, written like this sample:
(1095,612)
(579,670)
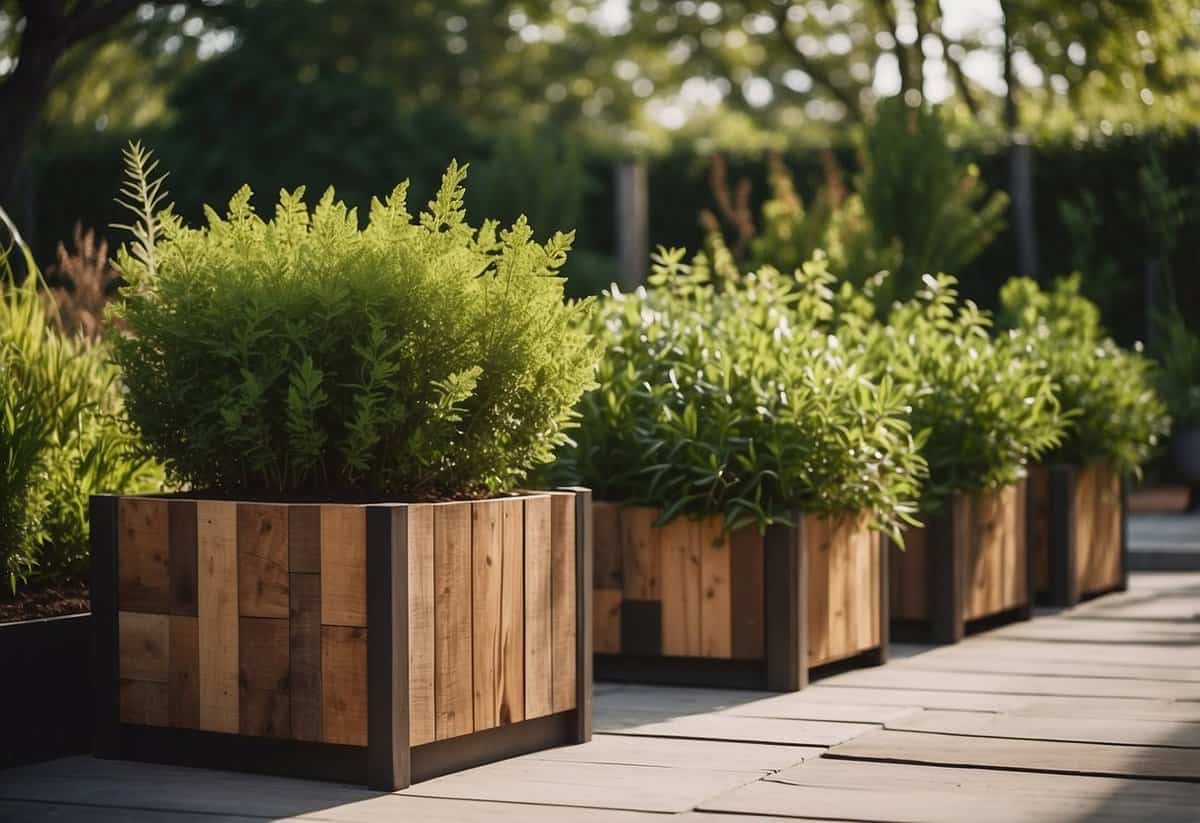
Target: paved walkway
(1164,542)
(1088,715)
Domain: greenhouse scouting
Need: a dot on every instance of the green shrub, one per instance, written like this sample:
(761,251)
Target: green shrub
(985,406)
(730,400)
(60,437)
(1116,416)
(1179,377)
(304,355)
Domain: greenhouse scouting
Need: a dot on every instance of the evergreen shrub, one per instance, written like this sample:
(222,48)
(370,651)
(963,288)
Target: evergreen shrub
(1116,415)
(303,355)
(720,394)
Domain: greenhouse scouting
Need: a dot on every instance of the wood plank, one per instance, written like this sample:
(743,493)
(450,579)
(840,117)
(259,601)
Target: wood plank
(452,620)
(827,691)
(1027,755)
(716,626)
(344,684)
(264,677)
(606,518)
(181,551)
(680,587)
(539,673)
(563,600)
(748,729)
(818,545)
(606,617)
(568,784)
(896,677)
(862,591)
(343,565)
(641,556)
(144,645)
(901,793)
(1098,527)
(216,542)
(487,556)
(304,539)
(979,660)
(144,702)
(512,613)
(669,753)
(1108,730)
(747,604)
(908,592)
(1037,510)
(304,647)
(262,560)
(183,676)
(421,608)
(144,580)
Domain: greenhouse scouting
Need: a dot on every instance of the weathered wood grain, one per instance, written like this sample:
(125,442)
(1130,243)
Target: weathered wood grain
(183,675)
(264,677)
(144,646)
(421,614)
(181,540)
(262,560)
(512,613)
(344,685)
(539,672)
(487,557)
(563,598)
(343,565)
(641,555)
(607,551)
(216,541)
(144,702)
(606,617)
(716,627)
(452,620)
(304,648)
(746,600)
(681,587)
(908,581)
(143,569)
(304,539)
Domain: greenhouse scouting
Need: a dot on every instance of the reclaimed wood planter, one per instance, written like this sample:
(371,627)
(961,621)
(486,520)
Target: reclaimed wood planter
(968,567)
(1077,532)
(379,644)
(691,604)
(46,688)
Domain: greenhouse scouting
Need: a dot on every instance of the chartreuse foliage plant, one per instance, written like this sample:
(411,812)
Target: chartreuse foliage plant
(984,405)
(719,394)
(1116,416)
(60,435)
(305,355)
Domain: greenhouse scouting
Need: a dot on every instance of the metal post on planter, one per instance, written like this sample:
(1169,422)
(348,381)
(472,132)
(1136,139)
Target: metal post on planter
(102,517)
(389,758)
(1064,584)
(785,564)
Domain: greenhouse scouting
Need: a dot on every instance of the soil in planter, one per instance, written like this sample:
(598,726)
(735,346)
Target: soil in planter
(50,600)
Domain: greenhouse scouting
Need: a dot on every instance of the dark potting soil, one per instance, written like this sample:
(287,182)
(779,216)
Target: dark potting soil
(38,601)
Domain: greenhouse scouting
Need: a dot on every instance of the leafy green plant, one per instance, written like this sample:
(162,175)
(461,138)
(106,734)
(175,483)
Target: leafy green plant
(304,355)
(60,436)
(1116,415)
(984,405)
(719,394)
(1179,375)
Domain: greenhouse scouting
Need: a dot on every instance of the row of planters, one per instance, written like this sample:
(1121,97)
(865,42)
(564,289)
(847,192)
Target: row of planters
(350,582)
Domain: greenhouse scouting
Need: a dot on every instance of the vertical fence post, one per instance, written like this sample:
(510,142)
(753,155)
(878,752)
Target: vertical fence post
(632,221)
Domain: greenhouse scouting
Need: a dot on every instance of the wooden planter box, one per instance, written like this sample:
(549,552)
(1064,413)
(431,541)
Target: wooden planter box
(1077,532)
(45,688)
(691,604)
(969,565)
(379,644)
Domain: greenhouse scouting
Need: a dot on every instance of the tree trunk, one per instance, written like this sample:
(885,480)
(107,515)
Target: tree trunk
(22,97)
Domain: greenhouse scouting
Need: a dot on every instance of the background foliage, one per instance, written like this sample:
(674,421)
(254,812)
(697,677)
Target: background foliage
(302,355)
(60,437)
